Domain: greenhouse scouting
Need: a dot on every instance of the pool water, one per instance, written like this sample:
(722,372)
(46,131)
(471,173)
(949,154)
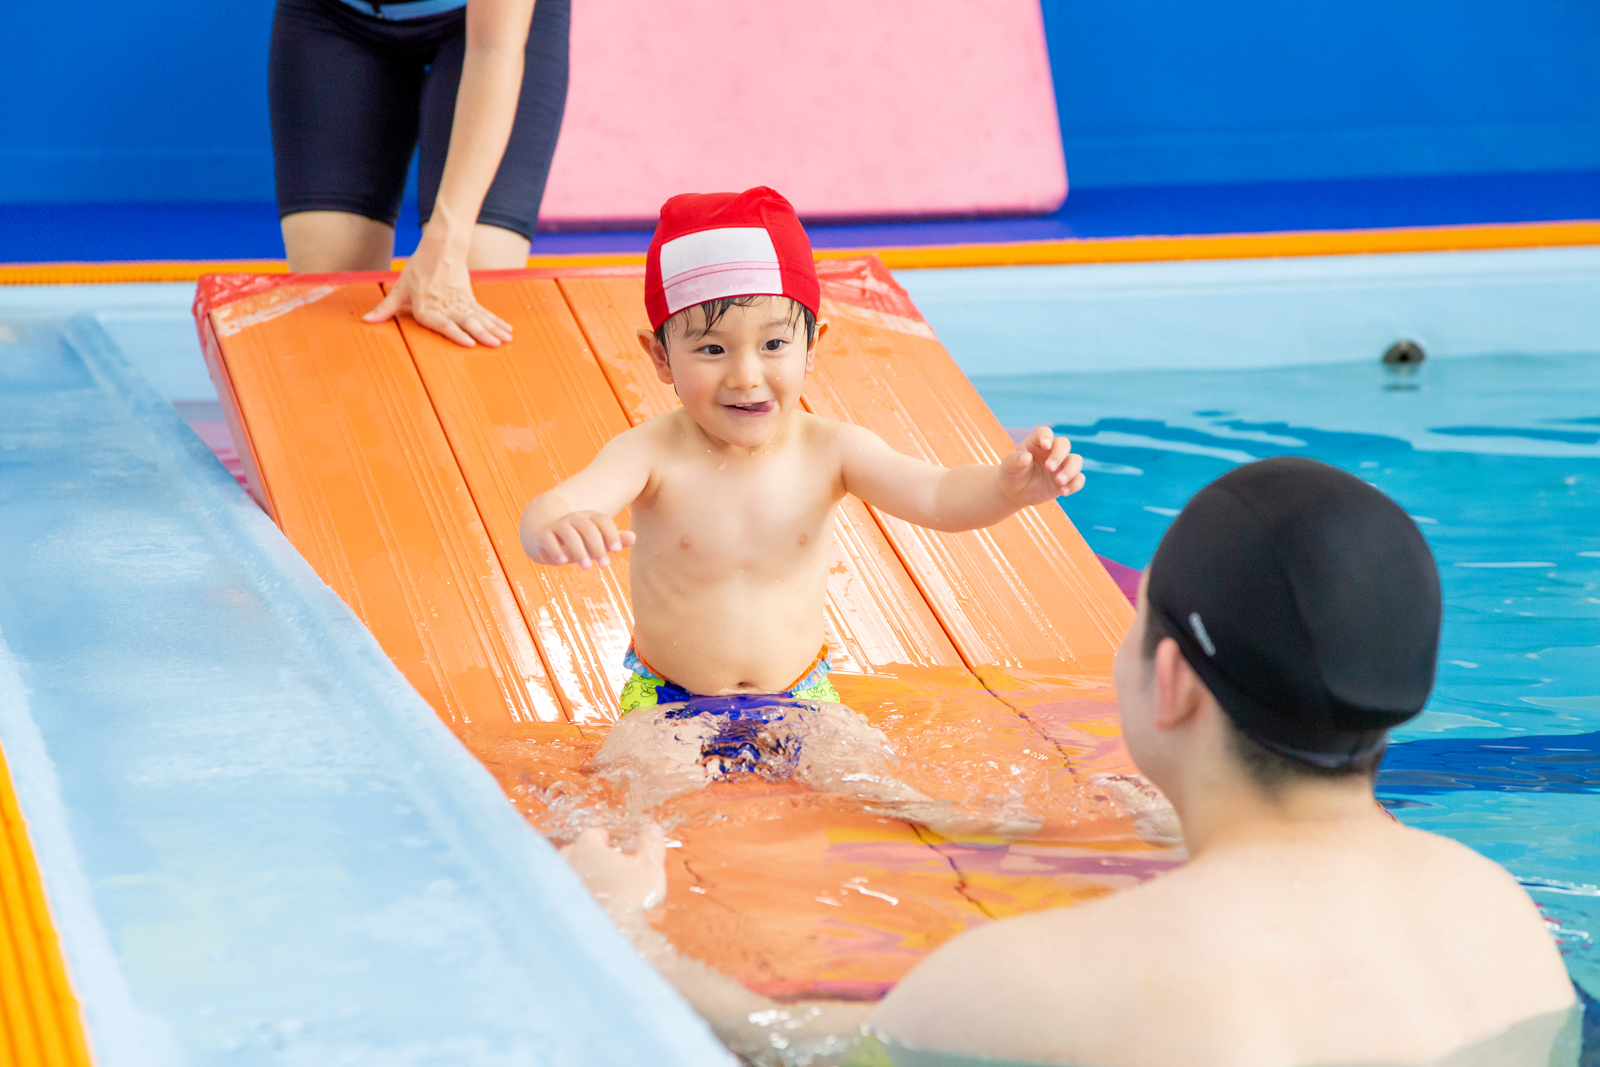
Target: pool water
(1498,460)
(1497,456)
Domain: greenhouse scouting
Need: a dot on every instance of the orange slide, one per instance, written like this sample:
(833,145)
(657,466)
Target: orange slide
(399,464)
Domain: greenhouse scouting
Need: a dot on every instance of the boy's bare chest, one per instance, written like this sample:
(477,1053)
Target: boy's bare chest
(753,519)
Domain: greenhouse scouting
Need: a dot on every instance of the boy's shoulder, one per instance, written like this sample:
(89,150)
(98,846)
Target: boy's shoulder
(821,429)
(645,445)
(828,440)
(659,430)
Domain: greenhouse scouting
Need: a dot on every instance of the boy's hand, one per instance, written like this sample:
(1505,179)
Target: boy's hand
(582,537)
(1041,468)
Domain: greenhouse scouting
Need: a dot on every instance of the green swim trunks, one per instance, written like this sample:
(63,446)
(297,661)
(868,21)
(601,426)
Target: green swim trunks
(647,688)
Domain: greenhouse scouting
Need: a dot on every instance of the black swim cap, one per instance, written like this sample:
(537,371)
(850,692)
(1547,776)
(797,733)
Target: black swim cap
(1308,603)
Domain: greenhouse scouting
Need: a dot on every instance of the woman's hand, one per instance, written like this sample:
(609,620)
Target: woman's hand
(435,286)
(437,290)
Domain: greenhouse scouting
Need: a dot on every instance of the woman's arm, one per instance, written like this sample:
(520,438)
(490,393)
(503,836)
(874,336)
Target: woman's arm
(435,286)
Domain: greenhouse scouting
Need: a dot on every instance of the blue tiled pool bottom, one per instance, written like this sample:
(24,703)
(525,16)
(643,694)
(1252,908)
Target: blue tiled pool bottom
(1498,460)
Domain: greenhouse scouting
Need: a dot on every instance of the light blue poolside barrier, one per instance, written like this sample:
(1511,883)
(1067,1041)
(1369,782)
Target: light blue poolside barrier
(259,844)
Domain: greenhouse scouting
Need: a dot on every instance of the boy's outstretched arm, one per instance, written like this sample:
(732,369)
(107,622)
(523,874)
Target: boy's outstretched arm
(1041,468)
(575,521)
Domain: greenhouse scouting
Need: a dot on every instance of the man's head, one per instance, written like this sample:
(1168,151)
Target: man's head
(1301,602)
(732,294)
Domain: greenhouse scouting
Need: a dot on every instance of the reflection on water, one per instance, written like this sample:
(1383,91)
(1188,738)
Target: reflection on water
(864,836)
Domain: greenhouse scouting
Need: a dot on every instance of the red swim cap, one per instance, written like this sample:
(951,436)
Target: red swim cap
(712,245)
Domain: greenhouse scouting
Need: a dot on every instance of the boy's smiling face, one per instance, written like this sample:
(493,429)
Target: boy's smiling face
(740,378)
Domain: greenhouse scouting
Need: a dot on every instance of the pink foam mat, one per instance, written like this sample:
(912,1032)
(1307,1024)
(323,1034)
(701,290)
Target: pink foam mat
(886,109)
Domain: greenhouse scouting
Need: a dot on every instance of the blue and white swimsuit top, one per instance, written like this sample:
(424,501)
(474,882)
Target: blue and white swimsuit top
(406,9)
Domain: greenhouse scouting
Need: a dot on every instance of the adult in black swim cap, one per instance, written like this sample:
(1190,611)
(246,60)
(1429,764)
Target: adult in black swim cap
(1308,603)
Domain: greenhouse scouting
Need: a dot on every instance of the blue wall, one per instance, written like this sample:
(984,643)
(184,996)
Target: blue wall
(1155,92)
(107,100)
(165,99)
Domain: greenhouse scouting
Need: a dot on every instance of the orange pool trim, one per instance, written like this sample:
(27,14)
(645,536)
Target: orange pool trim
(1017,253)
(40,1021)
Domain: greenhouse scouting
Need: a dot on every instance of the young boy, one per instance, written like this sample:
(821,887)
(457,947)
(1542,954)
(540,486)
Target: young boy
(733,497)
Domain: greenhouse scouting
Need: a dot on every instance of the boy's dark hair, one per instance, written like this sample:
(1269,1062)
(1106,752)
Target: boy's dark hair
(1267,770)
(715,309)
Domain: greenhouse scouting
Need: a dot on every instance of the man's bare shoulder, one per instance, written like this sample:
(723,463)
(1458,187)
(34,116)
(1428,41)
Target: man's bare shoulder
(1000,988)
(1471,876)
(1485,914)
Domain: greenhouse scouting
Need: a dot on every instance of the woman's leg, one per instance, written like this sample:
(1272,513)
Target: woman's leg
(495,248)
(326,241)
(344,92)
(511,208)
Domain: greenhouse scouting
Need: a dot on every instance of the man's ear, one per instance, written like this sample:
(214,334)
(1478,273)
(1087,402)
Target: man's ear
(657,354)
(816,339)
(1180,690)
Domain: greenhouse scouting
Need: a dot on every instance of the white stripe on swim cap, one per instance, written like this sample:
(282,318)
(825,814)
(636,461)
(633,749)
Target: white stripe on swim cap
(1200,634)
(732,261)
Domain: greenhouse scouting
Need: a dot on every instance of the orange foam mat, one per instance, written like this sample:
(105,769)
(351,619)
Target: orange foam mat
(362,480)
(520,419)
(792,892)
(798,893)
(1025,593)
(40,1023)
(825,931)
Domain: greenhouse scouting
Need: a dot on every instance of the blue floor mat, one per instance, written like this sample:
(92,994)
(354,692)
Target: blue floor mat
(54,233)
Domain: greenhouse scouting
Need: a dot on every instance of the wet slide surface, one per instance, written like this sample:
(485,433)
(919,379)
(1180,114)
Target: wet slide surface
(399,463)
(255,843)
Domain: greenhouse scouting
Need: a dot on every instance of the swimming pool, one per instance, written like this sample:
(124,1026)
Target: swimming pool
(1493,446)
(1165,375)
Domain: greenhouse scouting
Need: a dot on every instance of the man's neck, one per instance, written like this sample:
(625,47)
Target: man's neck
(1223,816)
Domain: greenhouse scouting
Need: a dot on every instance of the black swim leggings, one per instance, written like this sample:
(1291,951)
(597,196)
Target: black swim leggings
(352,95)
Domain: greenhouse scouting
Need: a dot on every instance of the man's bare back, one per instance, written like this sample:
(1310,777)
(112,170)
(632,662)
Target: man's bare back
(1326,937)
